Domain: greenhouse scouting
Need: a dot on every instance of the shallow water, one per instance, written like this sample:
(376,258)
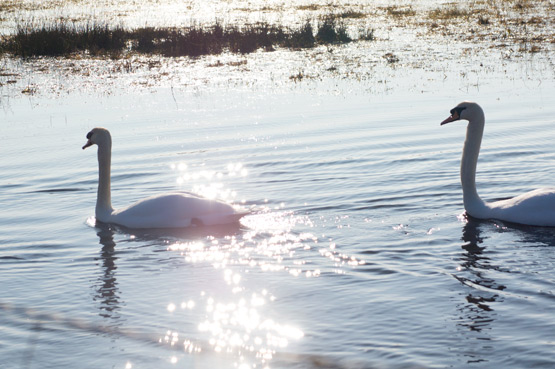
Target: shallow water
(357,254)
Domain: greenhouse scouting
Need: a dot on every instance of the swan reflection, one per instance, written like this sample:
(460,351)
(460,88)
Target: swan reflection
(106,290)
(476,313)
(474,272)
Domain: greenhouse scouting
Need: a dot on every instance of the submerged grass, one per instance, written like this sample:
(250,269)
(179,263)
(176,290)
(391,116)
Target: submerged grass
(64,38)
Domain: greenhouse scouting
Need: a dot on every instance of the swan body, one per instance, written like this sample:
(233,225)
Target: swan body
(171,210)
(536,208)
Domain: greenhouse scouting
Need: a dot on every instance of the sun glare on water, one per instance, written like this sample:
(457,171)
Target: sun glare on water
(206,182)
(237,321)
(235,316)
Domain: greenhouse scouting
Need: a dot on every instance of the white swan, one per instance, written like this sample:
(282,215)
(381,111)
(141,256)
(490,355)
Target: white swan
(535,208)
(171,210)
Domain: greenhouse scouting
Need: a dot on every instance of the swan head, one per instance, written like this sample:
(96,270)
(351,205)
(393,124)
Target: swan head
(98,136)
(466,110)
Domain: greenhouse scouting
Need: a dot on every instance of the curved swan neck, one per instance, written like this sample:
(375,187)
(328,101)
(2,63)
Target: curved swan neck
(471,150)
(103,199)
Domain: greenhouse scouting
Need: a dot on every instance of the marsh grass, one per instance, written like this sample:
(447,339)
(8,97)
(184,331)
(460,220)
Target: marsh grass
(448,12)
(366,35)
(484,21)
(395,11)
(351,14)
(331,31)
(64,38)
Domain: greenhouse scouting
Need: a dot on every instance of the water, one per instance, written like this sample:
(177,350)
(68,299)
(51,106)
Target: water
(357,255)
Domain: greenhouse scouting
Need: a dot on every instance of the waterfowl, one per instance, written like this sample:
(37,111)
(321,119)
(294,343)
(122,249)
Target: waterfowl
(168,210)
(536,208)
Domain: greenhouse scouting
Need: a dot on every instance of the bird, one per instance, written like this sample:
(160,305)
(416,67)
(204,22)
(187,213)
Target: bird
(167,210)
(534,208)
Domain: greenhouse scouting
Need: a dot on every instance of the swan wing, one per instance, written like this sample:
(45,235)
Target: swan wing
(175,210)
(533,208)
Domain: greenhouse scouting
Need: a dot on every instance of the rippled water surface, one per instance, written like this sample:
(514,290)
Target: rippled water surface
(357,253)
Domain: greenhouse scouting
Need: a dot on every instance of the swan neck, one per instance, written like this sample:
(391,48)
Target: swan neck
(474,132)
(103,199)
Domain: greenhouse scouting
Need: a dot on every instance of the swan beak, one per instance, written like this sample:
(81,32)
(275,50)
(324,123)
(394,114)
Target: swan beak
(453,117)
(89,143)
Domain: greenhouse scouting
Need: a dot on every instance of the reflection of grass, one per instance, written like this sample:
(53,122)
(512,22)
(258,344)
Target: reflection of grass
(64,38)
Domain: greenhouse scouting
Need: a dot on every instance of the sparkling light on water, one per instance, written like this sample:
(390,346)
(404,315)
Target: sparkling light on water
(209,186)
(238,323)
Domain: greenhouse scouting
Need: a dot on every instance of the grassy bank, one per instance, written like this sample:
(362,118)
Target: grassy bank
(65,38)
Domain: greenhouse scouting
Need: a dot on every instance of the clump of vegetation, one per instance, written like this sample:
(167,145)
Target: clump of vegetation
(395,11)
(448,12)
(65,38)
(366,35)
(297,77)
(484,21)
(391,58)
(302,38)
(523,4)
(62,38)
(352,14)
(332,31)
(198,41)
(311,7)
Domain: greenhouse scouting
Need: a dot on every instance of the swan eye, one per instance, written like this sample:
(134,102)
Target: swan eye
(456,112)
(89,135)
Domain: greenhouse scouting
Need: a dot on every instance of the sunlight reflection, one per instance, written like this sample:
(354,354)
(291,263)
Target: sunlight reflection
(266,244)
(236,169)
(210,188)
(339,258)
(188,305)
(237,321)
(240,327)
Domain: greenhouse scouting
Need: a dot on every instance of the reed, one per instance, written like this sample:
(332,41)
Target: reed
(64,38)
(448,12)
(331,31)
